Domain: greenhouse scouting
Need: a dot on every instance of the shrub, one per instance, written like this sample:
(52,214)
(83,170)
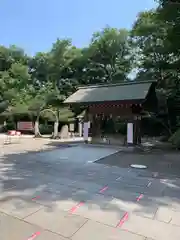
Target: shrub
(9,126)
(175,139)
(46,129)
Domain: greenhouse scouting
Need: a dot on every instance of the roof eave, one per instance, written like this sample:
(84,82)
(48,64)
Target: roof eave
(116,84)
(100,102)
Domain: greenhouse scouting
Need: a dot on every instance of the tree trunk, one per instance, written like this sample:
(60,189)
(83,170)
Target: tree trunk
(36,129)
(55,134)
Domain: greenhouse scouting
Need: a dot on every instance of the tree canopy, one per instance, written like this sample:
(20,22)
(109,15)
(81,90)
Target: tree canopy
(29,84)
(151,48)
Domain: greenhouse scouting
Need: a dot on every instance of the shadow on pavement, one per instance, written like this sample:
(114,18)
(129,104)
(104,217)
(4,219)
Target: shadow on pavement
(59,183)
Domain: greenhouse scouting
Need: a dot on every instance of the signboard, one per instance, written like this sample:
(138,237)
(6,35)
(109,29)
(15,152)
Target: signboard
(25,126)
(130,133)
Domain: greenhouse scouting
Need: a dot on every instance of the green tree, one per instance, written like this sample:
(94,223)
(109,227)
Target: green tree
(168,12)
(153,58)
(109,56)
(30,84)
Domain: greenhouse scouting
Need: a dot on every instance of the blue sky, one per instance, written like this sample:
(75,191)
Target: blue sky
(35,24)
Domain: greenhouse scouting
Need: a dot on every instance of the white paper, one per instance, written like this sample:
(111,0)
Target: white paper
(130,133)
(85,131)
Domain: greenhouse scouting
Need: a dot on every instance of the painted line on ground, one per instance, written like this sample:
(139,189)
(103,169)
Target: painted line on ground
(140,197)
(73,209)
(73,182)
(35,198)
(91,174)
(103,189)
(119,178)
(126,215)
(149,184)
(34,236)
(123,219)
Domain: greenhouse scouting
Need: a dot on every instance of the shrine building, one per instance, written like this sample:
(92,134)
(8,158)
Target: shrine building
(107,104)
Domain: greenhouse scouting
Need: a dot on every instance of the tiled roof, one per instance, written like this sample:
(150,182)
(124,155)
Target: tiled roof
(110,92)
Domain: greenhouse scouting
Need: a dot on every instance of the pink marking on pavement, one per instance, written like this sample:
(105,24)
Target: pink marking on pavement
(34,236)
(73,209)
(37,197)
(140,197)
(123,219)
(103,189)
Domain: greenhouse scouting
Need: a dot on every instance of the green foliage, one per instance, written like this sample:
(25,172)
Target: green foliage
(46,129)
(148,34)
(155,36)
(175,139)
(31,84)
(151,48)
(121,127)
(10,126)
(109,57)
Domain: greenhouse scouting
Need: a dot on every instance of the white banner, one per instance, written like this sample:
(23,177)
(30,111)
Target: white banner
(130,133)
(86,131)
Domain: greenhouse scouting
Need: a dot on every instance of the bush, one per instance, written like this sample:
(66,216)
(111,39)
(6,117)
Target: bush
(46,129)
(8,126)
(121,127)
(175,139)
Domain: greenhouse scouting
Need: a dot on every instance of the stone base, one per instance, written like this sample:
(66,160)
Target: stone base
(110,140)
(130,145)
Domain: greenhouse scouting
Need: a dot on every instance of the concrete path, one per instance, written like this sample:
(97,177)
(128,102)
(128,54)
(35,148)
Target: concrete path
(63,194)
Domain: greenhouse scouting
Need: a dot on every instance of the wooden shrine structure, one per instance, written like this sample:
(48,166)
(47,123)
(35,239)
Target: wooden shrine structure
(110,103)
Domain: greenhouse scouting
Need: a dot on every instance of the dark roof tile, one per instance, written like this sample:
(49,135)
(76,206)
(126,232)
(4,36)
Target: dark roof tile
(111,92)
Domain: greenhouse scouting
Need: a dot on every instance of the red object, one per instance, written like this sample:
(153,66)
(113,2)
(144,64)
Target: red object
(34,236)
(25,126)
(18,133)
(140,197)
(103,189)
(123,219)
(37,197)
(11,132)
(73,209)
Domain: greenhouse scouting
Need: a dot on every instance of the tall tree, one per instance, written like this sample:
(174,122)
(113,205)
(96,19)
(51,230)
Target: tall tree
(153,58)
(169,12)
(108,57)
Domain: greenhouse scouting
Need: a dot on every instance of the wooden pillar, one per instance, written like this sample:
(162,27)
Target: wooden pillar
(139,130)
(135,132)
(94,126)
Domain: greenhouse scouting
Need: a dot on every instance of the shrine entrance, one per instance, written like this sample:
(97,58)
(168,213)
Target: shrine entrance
(115,123)
(114,111)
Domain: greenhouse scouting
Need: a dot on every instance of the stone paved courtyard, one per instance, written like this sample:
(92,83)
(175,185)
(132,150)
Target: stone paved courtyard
(61,192)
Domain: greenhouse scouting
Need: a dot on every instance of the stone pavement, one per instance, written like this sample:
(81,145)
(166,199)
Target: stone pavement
(63,194)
